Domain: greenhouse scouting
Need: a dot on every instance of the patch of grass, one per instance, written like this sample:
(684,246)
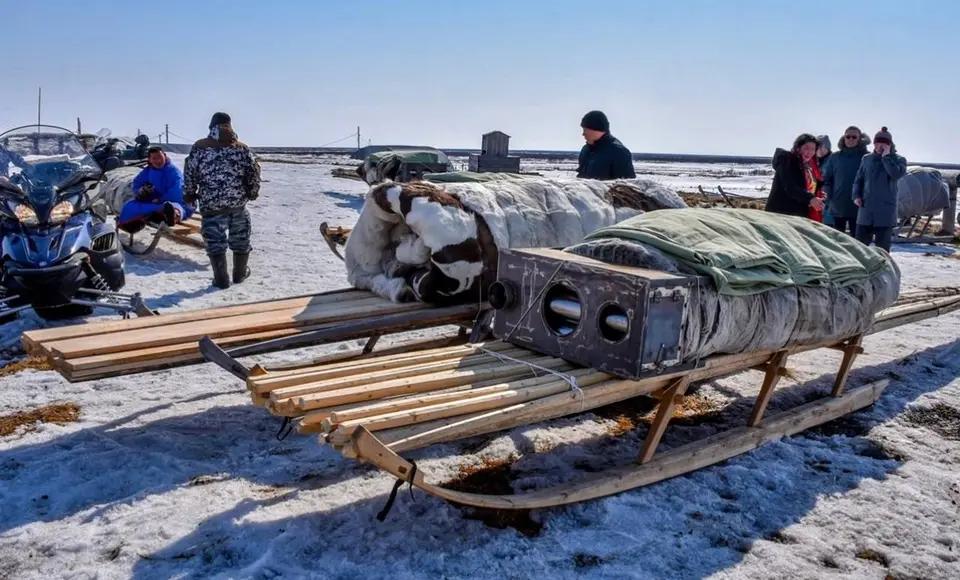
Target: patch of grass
(874,556)
(36,363)
(494,477)
(627,415)
(943,420)
(58,414)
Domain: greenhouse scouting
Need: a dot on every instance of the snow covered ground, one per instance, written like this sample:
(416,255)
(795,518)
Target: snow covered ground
(175,474)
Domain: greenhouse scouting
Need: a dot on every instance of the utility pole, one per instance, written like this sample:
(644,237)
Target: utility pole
(79,127)
(167,128)
(39,103)
(358,136)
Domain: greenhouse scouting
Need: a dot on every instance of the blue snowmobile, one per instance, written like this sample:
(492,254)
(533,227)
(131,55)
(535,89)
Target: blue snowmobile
(58,254)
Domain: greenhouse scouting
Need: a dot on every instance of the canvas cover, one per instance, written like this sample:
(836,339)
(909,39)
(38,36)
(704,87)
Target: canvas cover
(769,281)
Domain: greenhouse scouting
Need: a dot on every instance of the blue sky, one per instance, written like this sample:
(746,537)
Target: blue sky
(681,76)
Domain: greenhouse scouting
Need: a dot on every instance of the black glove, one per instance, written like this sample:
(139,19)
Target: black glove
(146,193)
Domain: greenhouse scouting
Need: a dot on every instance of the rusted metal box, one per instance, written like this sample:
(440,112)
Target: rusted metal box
(625,321)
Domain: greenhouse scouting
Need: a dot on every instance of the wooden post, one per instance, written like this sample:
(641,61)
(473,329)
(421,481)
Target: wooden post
(950,214)
(850,352)
(775,370)
(668,402)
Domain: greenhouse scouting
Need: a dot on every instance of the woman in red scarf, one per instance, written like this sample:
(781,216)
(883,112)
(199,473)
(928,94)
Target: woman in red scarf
(797,183)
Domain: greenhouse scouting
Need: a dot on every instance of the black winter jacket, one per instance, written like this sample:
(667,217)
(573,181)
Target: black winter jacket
(788,194)
(606,159)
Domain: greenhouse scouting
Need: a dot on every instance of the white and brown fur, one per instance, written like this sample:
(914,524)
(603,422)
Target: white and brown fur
(448,241)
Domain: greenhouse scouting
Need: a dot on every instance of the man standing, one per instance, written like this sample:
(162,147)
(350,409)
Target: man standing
(838,175)
(222,174)
(875,191)
(158,194)
(603,157)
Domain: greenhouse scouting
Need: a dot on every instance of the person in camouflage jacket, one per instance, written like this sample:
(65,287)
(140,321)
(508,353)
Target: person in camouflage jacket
(221,175)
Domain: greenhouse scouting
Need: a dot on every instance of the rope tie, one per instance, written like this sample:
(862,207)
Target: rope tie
(569,379)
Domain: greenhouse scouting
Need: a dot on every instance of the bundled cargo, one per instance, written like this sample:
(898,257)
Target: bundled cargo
(118,188)
(921,192)
(764,281)
(438,244)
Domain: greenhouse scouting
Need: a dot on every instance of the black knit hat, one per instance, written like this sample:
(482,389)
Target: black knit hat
(596,121)
(219,119)
(883,136)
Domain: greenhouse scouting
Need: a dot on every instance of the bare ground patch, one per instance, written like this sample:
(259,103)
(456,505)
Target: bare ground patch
(57,413)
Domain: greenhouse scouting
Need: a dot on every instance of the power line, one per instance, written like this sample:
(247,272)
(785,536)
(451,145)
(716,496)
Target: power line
(350,136)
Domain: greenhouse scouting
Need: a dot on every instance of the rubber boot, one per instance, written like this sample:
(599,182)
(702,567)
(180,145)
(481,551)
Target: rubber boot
(221,276)
(240,270)
(171,216)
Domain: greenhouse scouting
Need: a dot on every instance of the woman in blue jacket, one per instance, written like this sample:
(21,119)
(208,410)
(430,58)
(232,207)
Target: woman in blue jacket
(158,195)
(875,191)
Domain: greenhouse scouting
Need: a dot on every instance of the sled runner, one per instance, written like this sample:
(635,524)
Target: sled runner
(185,232)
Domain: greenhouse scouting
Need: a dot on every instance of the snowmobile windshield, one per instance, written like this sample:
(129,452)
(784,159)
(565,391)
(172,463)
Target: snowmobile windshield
(44,160)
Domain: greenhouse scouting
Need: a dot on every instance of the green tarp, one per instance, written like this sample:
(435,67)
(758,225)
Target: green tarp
(751,251)
(410,156)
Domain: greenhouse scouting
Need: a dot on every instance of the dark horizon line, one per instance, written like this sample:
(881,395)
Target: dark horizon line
(542,154)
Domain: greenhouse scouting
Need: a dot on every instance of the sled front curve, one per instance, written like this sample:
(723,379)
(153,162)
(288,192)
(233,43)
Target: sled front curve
(679,461)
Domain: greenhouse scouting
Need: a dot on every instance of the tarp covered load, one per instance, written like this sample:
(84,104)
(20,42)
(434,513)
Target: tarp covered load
(438,244)
(387,165)
(118,188)
(472,177)
(773,281)
(921,192)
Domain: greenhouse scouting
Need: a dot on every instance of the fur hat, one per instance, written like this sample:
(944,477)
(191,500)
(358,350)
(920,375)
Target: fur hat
(596,121)
(219,119)
(883,136)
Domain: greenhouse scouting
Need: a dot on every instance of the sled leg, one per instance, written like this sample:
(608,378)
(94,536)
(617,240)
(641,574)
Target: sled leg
(668,403)
(852,349)
(371,343)
(725,198)
(481,327)
(775,370)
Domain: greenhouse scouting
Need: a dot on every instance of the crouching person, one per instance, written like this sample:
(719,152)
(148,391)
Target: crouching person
(157,195)
(222,175)
(875,191)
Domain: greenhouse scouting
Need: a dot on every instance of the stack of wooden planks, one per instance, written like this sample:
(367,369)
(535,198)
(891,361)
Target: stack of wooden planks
(119,347)
(187,232)
(417,398)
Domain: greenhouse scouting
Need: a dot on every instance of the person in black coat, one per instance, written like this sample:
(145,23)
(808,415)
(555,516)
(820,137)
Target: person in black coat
(797,183)
(604,156)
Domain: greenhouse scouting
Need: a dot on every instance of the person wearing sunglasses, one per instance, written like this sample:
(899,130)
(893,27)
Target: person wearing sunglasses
(838,174)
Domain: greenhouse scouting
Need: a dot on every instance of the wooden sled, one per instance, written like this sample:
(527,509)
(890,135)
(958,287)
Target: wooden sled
(723,198)
(914,236)
(425,401)
(186,232)
(104,349)
(335,236)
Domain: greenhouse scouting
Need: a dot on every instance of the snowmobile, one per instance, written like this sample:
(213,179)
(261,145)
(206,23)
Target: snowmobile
(59,254)
(103,147)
